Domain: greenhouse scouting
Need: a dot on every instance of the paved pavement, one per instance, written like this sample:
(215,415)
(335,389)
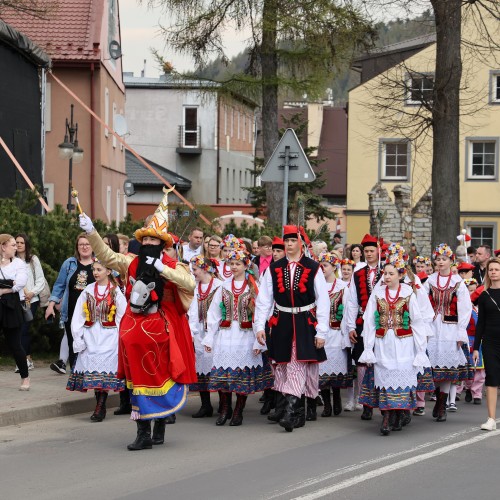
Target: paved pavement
(47,397)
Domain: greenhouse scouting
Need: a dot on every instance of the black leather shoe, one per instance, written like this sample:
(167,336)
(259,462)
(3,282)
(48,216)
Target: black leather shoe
(279,410)
(226,410)
(398,420)
(385,428)
(406,418)
(477,401)
(337,402)
(170,419)
(289,419)
(143,439)
(159,431)
(327,409)
(468,396)
(311,415)
(367,413)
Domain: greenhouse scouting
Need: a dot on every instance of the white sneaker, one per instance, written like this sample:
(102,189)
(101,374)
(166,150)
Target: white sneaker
(489,425)
(31,366)
(452,407)
(16,370)
(359,407)
(349,406)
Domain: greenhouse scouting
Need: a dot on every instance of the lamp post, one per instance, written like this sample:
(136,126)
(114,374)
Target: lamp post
(69,150)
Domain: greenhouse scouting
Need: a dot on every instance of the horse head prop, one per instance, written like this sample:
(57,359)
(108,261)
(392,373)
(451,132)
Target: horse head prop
(143,297)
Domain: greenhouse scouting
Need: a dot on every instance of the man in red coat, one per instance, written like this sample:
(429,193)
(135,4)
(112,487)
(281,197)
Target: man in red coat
(155,349)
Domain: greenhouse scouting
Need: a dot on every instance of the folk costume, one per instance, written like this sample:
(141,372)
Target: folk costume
(229,242)
(335,372)
(395,342)
(363,282)
(198,317)
(452,311)
(236,368)
(155,351)
(95,323)
(294,297)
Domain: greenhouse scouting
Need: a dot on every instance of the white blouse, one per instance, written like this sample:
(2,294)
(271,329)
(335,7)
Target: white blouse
(16,271)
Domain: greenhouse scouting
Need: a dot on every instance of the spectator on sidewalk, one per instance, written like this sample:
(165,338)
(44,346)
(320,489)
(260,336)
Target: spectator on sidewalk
(75,274)
(194,246)
(483,254)
(35,285)
(13,278)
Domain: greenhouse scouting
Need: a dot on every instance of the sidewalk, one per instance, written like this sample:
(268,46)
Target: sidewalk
(47,397)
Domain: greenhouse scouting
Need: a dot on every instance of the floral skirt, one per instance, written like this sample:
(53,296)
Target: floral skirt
(240,380)
(202,384)
(425,382)
(335,381)
(84,381)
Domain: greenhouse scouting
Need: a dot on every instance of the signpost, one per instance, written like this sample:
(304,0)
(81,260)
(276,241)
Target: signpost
(288,163)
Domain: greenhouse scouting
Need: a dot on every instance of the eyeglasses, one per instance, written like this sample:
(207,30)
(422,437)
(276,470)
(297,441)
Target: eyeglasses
(213,246)
(267,247)
(83,245)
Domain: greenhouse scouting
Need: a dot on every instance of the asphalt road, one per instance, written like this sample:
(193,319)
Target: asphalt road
(338,457)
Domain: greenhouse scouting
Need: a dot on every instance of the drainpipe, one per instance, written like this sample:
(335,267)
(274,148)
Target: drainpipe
(92,142)
(217,195)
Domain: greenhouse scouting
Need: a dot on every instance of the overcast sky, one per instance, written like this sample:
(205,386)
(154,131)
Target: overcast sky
(140,32)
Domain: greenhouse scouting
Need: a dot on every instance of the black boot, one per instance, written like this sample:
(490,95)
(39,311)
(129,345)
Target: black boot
(301,412)
(125,407)
(206,409)
(406,418)
(319,401)
(268,402)
(225,412)
(398,417)
(279,409)
(311,410)
(337,401)
(170,419)
(385,428)
(325,396)
(289,419)
(143,439)
(436,404)
(159,431)
(441,413)
(237,419)
(100,410)
(367,413)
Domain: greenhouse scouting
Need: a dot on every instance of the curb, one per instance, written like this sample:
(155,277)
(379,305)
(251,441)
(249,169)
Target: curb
(60,409)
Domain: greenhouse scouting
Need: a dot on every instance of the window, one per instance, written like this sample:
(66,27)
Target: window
(419,89)
(106,110)
(495,87)
(190,136)
(395,160)
(482,158)
(482,235)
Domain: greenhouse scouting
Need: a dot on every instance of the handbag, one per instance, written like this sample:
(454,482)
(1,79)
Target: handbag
(44,295)
(27,314)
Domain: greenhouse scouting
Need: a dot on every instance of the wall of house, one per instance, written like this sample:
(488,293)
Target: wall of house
(480,120)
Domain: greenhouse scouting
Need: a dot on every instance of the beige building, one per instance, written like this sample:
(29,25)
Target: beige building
(389,147)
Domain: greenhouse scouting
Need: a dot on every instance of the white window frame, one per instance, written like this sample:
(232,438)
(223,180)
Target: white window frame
(382,159)
(469,152)
(409,87)
(495,86)
(196,131)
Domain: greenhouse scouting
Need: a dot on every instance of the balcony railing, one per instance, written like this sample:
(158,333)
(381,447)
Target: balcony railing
(189,140)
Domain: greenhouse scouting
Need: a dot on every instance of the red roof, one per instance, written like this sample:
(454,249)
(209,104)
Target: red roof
(69,33)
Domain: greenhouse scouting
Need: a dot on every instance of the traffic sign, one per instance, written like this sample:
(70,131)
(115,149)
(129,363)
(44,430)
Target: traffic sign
(288,151)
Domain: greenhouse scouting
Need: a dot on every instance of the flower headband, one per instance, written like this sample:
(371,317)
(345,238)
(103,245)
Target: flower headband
(240,255)
(470,281)
(347,262)
(444,249)
(230,241)
(204,263)
(329,257)
(428,261)
(398,262)
(395,249)
(419,259)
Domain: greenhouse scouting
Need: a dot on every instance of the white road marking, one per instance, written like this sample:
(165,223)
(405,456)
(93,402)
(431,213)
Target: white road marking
(388,468)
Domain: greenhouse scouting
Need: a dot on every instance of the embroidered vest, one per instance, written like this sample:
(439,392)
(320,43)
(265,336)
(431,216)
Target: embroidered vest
(203,306)
(336,309)
(104,313)
(236,309)
(364,289)
(444,302)
(395,317)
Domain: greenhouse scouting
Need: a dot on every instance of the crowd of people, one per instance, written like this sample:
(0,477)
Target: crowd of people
(304,323)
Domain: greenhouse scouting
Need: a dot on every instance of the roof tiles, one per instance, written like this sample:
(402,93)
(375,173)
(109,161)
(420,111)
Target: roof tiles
(66,34)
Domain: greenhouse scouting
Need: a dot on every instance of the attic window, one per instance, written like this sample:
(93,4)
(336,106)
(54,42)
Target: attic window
(419,89)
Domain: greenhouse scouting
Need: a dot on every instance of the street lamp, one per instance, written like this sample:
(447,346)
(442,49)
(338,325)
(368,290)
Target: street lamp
(69,150)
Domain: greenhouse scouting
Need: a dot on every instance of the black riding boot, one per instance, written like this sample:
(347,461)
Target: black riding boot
(125,407)
(398,420)
(436,404)
(337,401)
(289,419)
(237,419)
(301,412)
(279,409)
(143,438)
(159,431)
(100,410)
(385,428)
(406,418)
(441,414)
(367,413)
(269,402)
(226,411)
(206,409)
(311,410)
(325,396)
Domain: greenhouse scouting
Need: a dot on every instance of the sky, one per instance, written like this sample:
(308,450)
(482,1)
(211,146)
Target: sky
(140,31)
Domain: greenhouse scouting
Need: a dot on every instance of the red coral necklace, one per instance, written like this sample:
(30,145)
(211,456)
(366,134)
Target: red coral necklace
(238,291)
(203,295)
(442,288)
(391,301)
(98,297)
(226,273)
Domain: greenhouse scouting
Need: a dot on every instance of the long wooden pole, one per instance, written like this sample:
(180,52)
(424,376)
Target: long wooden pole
(23,173)
(119,139)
